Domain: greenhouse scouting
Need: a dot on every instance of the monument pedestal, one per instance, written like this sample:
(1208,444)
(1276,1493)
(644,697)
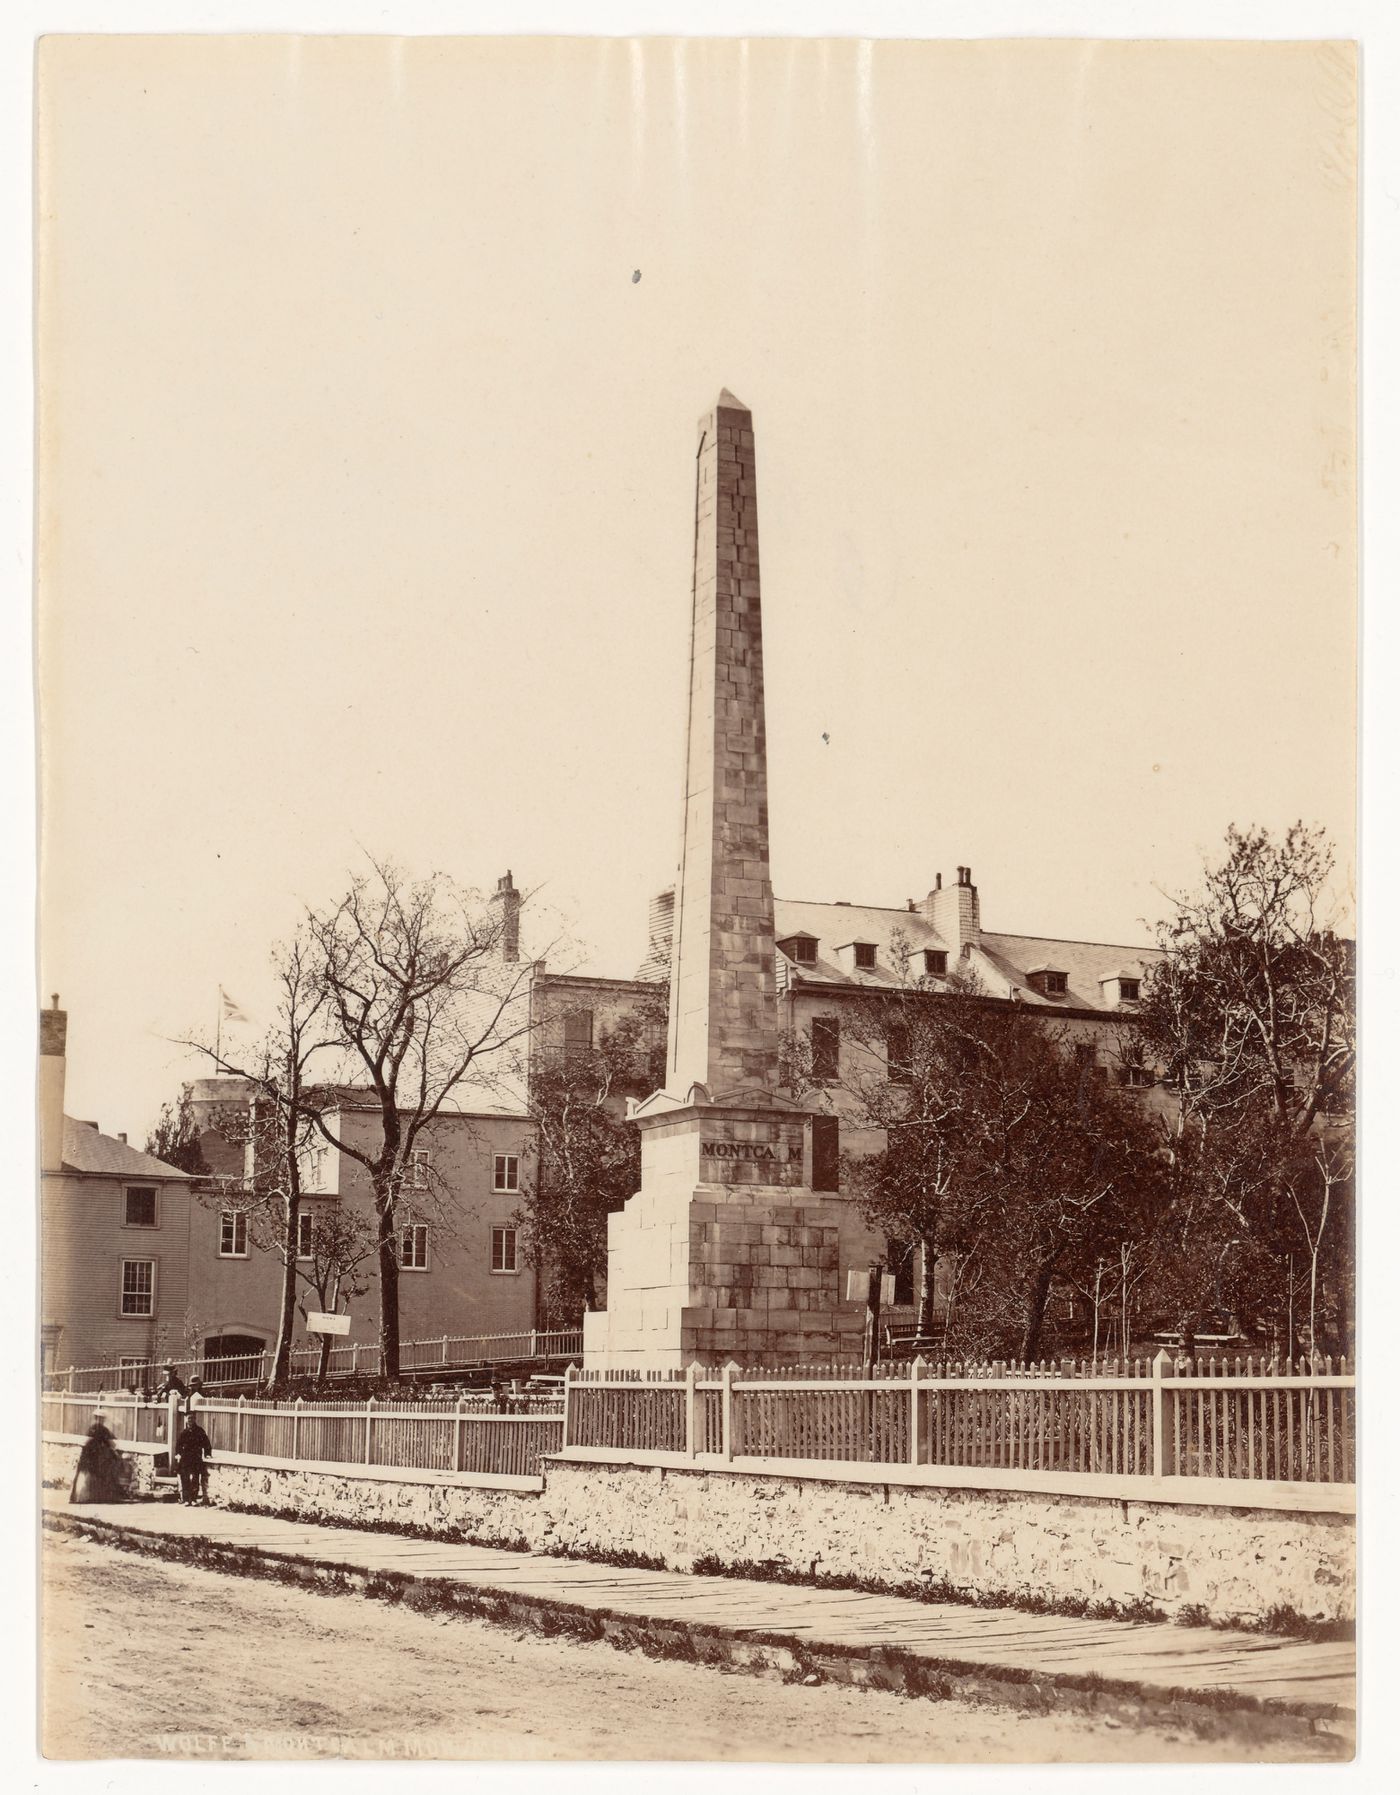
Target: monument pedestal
(724,1253)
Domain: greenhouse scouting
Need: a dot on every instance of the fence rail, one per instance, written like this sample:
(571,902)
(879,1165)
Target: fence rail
(433,1437)
(453,1352)
(1143,1419)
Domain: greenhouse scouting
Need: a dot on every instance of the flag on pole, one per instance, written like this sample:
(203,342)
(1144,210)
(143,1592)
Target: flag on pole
(229,1011)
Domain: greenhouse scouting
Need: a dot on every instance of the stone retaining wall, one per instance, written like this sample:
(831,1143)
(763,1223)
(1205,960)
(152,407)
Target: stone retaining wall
(1232,1561)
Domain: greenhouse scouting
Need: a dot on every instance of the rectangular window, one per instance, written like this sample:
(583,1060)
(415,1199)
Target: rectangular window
(802,952)
(578,1031)
(306,1229)
(826,1153)
(935,962)
(422,1168)
(141,1206)
(898,1063)
(233,1234)
(1137,1076)
(413,1247)
(507,1173)
(1086,1054)
(1128,990)
(503,1250)
(865,956)
(1056,984)
(138,1287)
(826,1049)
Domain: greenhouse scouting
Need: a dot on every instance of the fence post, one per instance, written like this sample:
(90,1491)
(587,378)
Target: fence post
(354,1357)
(726,1408)
(916,1371)
(70,1380)
(238,1424)
(369,1429)
(296,1428)
(534,1343)
(1159,1438)
(568,1388)
(692,1430)
(457,1435)
(172,1424)
(444,1349)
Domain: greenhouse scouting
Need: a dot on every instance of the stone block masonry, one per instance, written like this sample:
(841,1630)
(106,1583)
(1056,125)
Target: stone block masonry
(1233,1562)
(724,1024)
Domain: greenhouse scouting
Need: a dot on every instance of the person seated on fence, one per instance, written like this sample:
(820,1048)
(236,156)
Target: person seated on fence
(169,1385)
(500,1398)
(192,1453)
(101,1472)
(195,1394)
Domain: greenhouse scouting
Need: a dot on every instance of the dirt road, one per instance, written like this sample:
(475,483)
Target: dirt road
(145,1659)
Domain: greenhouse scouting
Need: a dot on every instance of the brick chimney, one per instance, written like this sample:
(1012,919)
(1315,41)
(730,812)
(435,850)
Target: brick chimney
(509,900)
(53,1065)
(956,912)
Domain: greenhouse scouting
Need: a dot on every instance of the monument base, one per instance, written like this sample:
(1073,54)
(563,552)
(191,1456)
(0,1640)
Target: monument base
(749,1274)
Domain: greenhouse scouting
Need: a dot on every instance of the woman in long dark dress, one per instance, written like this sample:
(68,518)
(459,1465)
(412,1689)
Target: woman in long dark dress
(101,1475)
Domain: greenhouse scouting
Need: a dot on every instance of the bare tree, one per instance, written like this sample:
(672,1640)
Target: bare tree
(425,1003)
(340,1244)
(283,1118)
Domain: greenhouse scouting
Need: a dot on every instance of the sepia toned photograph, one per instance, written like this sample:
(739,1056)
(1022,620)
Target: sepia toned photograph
(661,1141)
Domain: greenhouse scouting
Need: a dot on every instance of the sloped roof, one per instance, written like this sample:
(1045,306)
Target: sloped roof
(87,1149)
(1012,958)
(1002,962)
(838,925)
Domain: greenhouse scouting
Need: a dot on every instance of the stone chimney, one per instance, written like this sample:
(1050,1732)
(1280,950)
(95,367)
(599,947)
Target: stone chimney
(509,900)
(956,913)
(661,922)
(53,1065)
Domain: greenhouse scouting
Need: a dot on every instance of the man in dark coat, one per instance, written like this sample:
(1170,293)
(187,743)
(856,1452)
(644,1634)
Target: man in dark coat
(192,1450)
(169,1385)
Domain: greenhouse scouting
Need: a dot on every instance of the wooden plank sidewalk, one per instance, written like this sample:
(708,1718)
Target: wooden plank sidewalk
(1158,1655)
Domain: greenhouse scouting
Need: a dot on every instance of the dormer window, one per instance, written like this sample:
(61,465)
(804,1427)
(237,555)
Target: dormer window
(1129,990)
(935,962)
(1049,981)
(800,949)
(865,955)
(1121,987)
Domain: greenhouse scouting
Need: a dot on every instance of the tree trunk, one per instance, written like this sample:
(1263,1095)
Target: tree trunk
(928,1268)
(388,1296)
(1037,1296)
(282,1352)
(323,1361)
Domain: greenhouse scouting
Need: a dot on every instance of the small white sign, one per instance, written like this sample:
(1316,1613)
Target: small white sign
(327,1324)
(858,1287)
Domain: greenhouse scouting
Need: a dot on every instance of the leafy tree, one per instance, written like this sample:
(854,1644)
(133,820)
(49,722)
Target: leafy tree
(1001,1157)
(587,1156)
(175,1137)
(1251,1016)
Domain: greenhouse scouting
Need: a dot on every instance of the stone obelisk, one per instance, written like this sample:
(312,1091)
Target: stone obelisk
(724,1253)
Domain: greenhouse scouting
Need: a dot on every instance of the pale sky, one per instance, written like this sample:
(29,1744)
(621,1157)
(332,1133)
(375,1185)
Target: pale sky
(366,478)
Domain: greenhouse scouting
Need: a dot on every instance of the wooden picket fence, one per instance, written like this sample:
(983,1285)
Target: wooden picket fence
(452,1436)
(1280,1422)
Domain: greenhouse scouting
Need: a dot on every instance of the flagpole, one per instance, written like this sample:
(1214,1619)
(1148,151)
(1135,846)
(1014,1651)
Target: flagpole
(219,1031)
